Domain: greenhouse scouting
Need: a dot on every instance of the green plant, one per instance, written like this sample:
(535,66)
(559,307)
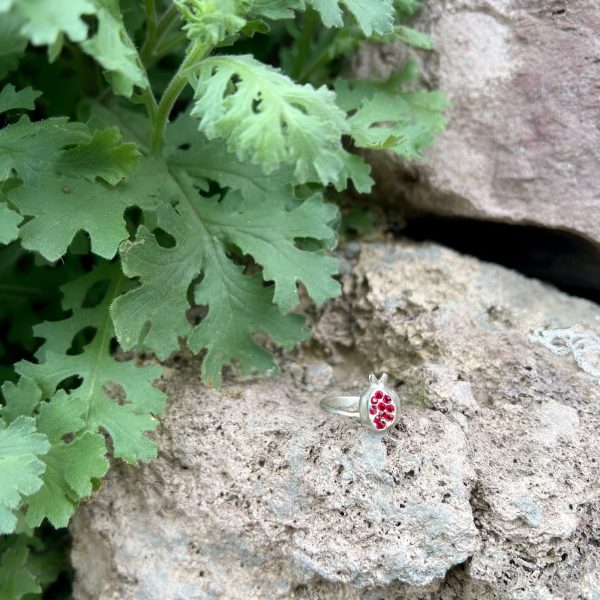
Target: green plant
(164,166)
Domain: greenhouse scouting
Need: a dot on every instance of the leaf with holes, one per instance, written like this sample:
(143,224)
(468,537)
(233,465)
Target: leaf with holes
(84,178)
(267,119)
(387,119)
(153,315)
(117,396)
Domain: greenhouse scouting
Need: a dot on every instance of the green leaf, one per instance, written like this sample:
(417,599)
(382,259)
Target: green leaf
(165,275)
(356,170)
(154,313)
(9,223)
(30,150)
(407,7)
(48,557)
(12,43)
(211,21)
(20,466)
(203,159)
(103,156)
(63,162)
(114,50)
(72,205)
(383,119)
(44,20)
(239,307)
(70,468)
(133,125)
(116,396)
(274,9)
(245,309)
(16,578)
(267,230)
(21,399)
(267,119)
(11,99)
(29,564)
(373,16)
(412,37)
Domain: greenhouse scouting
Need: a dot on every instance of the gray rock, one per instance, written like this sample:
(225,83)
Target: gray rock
(318,376)
(488,487)
(522,144)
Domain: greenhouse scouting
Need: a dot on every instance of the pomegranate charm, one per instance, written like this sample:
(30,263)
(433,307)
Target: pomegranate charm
(379,404)
(377,408)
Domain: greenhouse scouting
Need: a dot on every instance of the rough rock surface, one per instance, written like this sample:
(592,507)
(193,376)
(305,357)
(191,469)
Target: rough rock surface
(487,489)
(523,142)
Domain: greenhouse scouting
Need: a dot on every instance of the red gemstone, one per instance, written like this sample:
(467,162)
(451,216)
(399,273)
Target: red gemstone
(381,406)
(373,410)
(390,408)
(378,394)
(373,400)
(388,417)
(387,398)
(380,425)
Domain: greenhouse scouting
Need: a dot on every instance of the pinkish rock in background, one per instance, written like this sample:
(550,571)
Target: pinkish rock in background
(523,140)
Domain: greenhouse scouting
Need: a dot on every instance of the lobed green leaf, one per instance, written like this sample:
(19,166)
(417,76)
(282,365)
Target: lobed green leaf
(12,43)
(153,315)
(28,564)
(11,99)
(80,174)
(112,47)
(44,20)
(9,223)
(388,119)
(16,577)
(267,119)
(373,16)
(21,468)
(70,467)
(117,396)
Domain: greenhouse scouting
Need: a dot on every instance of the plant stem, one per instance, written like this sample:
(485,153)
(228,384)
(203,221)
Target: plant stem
(171,94)
(319,56)
(164,110)
(154,36)
(150,19)
(307,31)
(150,103)
(172,43)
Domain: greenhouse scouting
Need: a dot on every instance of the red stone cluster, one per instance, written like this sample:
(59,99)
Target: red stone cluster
(382,409)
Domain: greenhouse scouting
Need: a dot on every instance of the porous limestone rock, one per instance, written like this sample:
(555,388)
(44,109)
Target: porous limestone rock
(523,142)
(486,489)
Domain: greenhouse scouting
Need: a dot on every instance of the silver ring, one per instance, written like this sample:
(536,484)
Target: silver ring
(377,407)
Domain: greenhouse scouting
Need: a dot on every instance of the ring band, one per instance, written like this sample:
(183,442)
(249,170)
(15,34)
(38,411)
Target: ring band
(342,405)
(377,408)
